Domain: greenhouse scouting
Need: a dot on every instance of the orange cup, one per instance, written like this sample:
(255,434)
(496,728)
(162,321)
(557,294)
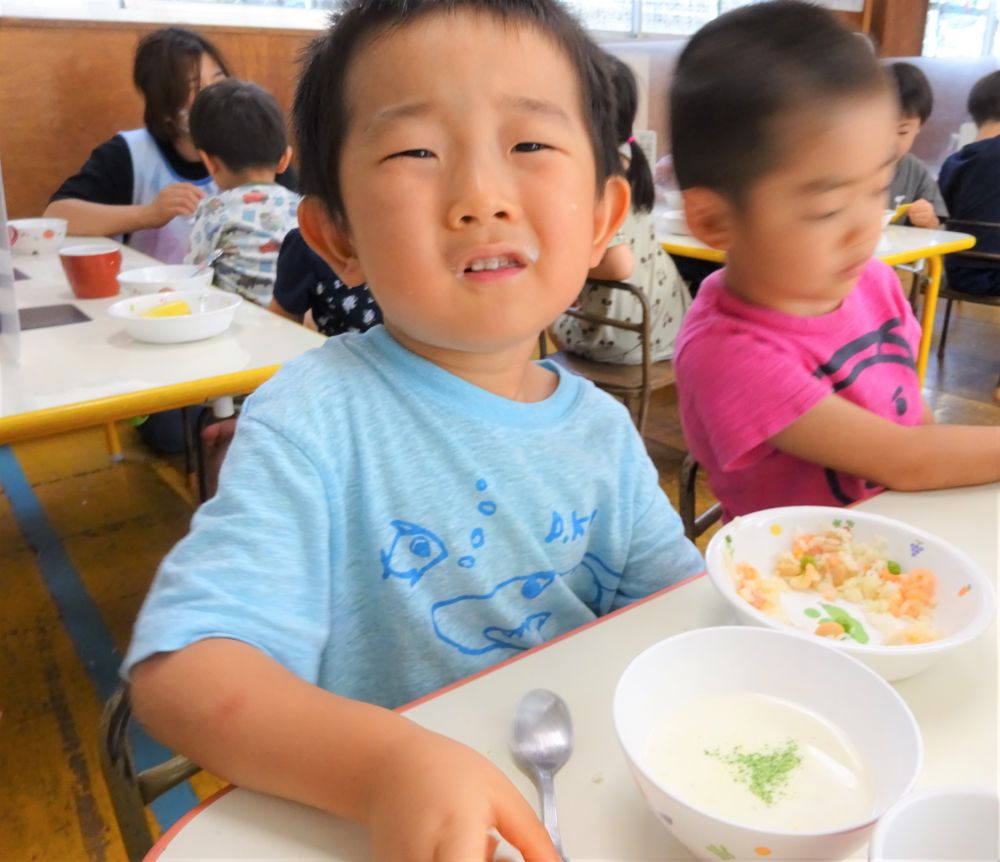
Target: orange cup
(91,269)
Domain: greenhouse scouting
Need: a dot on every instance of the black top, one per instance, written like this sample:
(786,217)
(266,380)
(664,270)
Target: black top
(304,282)
(970,184)
(107,177)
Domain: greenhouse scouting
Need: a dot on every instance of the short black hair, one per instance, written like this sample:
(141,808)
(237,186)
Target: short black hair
(916,98)
(320,109)
(239,123)
(984,99)
(745,70)
(166,68)
(638,173)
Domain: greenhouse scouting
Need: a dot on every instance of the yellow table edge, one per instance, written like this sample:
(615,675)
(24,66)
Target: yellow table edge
(717,256)
(86,414)
(932,254)
(966,241)
(713,254)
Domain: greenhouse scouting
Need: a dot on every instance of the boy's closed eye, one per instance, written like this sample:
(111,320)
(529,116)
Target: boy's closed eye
(531,147)
(416,153)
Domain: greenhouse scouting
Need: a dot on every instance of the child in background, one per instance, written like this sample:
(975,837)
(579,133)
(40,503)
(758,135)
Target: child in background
(408,506)
(795,364)
(306,284)
(970,181)
(240,135)
(634,255)
(912,183)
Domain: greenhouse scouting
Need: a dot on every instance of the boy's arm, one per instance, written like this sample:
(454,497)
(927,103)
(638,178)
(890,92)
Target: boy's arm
(928,207)
(422,796)
(276,308)
(843,436)
(203,240)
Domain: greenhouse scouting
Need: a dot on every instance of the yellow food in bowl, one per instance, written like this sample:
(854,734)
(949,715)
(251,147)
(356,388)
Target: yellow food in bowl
(169,309)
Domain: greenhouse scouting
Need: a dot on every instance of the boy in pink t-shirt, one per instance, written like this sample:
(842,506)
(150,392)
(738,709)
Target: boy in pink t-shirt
(796,363)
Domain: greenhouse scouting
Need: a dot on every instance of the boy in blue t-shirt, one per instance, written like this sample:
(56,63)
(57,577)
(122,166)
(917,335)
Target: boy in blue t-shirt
(406,507)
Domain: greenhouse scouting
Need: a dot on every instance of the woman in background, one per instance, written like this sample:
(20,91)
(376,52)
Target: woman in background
(144,184)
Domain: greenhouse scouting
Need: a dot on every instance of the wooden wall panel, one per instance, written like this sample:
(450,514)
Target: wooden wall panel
(898,26)
(66,86)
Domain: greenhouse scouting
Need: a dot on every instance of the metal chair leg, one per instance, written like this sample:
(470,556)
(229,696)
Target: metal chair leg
(944,328)
(685,505)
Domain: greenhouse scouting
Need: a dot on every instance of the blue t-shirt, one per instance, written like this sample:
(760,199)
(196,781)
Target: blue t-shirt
(383,528)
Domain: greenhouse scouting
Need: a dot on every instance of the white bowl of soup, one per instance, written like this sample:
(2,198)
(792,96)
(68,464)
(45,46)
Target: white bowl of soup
(941,823)
(895,597)
(755,744)
(177,317)
(166,277)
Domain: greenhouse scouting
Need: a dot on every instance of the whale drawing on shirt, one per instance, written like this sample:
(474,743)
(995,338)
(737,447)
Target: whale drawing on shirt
(524,601)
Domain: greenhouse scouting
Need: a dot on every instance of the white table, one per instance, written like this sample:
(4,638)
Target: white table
(899,244)
(602,815)
(91,373)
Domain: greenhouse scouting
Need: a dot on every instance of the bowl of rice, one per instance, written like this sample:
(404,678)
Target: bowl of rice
(894,597)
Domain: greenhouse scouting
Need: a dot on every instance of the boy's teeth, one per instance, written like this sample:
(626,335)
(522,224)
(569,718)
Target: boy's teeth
(491,263)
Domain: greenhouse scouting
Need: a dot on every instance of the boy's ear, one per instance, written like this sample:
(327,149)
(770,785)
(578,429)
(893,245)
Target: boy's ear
(211,163)
(330,240)
(709,217)
(284,161)
(610,212)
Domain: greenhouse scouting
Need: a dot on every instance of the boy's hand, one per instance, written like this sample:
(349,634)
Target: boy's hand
(431,798)
(921,214)
(177,199)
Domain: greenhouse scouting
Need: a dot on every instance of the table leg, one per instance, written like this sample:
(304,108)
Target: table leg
(927,318)
(114,442)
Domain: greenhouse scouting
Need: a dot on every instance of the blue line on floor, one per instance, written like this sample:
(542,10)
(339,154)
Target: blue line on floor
(83,622)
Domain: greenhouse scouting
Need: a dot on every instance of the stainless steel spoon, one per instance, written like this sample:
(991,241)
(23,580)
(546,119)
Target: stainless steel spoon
(208,261)
(541,741)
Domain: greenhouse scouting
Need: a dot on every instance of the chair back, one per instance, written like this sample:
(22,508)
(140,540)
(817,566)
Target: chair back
(980,230)
(694,524)
(634,384)
(132,791)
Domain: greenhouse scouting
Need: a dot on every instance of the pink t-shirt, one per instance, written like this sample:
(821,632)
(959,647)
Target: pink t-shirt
(744,373)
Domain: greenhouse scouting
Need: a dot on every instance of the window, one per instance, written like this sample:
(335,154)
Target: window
(962,28)
(625,17)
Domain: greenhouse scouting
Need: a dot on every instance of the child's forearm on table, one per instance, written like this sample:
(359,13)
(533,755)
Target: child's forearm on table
(85,218)
(238,713)
(849,438)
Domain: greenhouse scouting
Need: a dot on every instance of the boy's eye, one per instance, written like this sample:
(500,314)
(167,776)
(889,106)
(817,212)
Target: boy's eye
(412,154)
(529,147)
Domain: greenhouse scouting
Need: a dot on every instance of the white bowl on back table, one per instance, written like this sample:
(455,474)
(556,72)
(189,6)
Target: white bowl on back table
(164,277)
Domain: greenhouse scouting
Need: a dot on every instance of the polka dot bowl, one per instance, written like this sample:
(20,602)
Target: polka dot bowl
(964,603)
(707,663)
